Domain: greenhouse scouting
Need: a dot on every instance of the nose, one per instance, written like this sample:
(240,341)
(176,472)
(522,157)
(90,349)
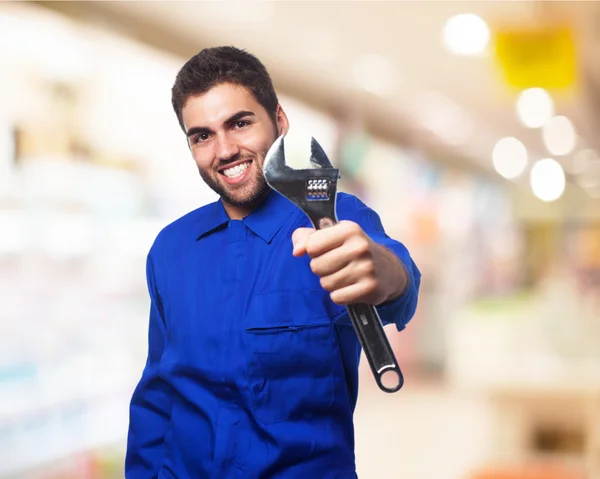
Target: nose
(227,149)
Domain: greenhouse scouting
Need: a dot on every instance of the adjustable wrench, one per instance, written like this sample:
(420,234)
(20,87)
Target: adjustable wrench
(314,190)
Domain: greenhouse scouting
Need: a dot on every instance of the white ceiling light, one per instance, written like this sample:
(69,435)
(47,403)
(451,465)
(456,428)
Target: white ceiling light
(445,118)
(375,74)
(535,107)
(509,157)
(547,180)
(581,160)
(465,34)
(559,135)
(589,177)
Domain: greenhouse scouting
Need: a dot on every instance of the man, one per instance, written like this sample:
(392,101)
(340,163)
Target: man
(252,368)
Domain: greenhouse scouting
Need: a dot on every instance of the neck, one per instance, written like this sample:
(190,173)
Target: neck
(238,212)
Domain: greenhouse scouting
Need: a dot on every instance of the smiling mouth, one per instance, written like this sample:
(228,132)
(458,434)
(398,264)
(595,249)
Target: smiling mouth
(236,170)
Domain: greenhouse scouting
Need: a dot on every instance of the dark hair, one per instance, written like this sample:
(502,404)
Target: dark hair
(213,66)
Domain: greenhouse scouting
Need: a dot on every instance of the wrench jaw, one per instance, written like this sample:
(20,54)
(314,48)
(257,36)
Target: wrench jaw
(274,166)
(313,190)
(318,157)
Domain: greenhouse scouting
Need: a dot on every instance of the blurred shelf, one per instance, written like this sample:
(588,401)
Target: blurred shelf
(29,444)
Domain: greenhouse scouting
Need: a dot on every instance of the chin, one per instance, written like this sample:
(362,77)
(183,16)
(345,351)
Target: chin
(244,198)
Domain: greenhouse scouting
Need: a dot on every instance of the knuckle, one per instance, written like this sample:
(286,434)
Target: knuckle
(360,246)
(311,249)
(369,285)
(337,298)
(368,269)
(299,233)
(353,228)
(326,284)
(314,266)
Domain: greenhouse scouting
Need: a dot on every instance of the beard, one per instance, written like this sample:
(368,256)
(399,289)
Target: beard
(247,195)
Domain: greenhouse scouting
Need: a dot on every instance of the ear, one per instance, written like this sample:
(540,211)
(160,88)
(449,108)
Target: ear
(283,124)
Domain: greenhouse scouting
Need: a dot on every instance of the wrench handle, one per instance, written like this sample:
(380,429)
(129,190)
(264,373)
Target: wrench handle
(379,353)
(372,338)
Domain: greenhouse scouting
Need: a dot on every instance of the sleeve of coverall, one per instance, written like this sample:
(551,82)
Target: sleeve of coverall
(150,407)
(401,310)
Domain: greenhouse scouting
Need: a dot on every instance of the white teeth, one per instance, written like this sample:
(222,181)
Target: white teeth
(236,170)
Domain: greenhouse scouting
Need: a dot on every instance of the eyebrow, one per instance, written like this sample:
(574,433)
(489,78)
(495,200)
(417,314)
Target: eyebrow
(232,119)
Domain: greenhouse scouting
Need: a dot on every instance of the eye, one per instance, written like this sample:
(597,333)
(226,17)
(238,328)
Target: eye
(200,137)
(241,124)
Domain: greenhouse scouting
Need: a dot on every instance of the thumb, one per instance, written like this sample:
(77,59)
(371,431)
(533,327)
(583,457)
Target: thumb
(299,239)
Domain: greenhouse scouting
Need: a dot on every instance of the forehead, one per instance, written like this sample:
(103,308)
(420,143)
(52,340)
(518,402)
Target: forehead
(217,105)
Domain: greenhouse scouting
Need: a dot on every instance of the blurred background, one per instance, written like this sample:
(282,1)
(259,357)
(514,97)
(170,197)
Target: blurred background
(471,127)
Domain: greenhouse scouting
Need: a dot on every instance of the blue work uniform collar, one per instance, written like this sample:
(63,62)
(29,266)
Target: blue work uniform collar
(265,221)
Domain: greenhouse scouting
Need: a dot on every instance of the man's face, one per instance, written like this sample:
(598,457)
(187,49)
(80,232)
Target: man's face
(229,134)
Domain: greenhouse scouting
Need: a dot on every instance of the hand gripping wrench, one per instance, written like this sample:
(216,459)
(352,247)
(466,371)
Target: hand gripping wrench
(314,190)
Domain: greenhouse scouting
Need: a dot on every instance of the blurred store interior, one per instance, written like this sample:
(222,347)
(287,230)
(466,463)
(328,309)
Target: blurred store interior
(471,127)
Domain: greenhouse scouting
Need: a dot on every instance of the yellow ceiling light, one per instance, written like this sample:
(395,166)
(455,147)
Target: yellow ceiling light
(540,55)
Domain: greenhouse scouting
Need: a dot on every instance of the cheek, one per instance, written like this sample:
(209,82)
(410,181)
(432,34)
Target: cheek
(202,160)
(258,142)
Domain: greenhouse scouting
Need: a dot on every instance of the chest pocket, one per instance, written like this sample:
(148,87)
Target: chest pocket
(290,355)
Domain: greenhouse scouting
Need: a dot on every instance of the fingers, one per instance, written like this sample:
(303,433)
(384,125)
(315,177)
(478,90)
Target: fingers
(351,250)
(299,239)
(364,291)
(331,262)
(355,272)
(330,238)
(317,242)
